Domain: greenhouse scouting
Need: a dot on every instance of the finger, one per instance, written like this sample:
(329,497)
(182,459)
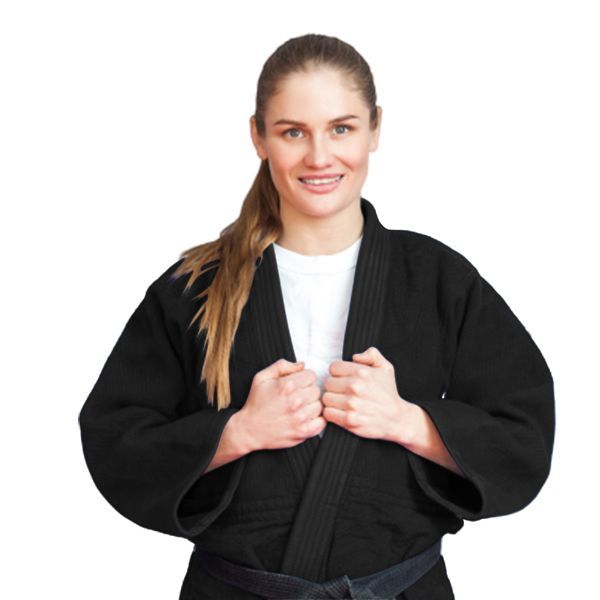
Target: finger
(370,356)
(340,368)
(310,394)
(335,400)
(279,368)
(337,384)
(317,409)
(284,367)
(334,415)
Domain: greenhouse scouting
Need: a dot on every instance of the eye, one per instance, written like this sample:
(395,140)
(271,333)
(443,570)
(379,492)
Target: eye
(294,137)
(285,133)
(348,127)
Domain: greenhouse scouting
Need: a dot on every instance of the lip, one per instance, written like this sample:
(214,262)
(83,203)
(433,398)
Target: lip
(324,188)
(323,176)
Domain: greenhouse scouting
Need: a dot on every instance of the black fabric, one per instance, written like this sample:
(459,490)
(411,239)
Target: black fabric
(343,505)
(384,584)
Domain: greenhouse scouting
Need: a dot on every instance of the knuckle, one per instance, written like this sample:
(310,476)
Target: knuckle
(285,386)
(356,387)
(362,372)
(298,418)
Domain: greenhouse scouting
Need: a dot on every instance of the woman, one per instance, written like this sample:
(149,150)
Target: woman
(418,400)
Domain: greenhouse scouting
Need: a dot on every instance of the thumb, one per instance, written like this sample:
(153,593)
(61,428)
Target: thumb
(283,367)
(371,356)
(278,369)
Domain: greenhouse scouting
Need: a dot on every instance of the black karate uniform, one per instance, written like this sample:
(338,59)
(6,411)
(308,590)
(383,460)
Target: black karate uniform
(344,504)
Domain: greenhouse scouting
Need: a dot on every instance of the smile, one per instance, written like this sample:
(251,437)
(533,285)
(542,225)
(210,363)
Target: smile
(321,186)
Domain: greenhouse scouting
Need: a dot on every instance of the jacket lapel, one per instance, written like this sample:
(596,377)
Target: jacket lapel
(321,466)
(273,341)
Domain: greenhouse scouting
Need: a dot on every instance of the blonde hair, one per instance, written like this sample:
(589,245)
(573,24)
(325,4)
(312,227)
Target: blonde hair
(239,245)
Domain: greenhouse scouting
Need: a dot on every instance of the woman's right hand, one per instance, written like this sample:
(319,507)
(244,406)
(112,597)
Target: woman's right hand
(283,407)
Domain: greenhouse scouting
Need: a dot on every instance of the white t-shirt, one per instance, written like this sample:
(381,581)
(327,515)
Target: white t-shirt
(316,293)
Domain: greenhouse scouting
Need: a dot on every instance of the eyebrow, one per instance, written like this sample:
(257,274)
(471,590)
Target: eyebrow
(292,122)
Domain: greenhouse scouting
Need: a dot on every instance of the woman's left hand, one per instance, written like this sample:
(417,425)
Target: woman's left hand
(362,397)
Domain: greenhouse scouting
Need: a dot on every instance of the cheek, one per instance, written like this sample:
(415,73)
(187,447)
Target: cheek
(282,165)
(358,158)
(277,171)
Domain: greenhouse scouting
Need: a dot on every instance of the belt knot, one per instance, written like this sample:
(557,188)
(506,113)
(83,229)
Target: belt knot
(342,587)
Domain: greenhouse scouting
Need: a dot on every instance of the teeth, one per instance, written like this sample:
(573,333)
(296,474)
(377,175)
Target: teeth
(321,181)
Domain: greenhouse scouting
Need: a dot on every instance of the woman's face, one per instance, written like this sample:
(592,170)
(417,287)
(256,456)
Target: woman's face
(310,134)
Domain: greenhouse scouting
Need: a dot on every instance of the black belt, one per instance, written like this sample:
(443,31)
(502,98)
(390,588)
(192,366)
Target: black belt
(382,585)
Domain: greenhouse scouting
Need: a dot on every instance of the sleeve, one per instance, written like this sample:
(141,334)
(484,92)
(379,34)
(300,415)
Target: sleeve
(497,415)
(145,456)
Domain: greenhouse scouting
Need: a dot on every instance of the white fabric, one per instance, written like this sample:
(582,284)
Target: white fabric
(316,293)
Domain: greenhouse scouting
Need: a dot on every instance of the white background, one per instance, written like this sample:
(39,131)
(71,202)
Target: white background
(124,139)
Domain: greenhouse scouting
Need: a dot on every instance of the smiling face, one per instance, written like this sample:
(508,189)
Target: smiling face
(316,126)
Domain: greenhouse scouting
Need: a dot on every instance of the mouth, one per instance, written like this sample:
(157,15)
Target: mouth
(320,185)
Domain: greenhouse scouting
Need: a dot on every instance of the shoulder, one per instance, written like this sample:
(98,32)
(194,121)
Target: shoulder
(430,255)
(172,289)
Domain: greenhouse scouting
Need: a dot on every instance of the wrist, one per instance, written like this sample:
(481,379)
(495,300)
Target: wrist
(411,426)
(241,433)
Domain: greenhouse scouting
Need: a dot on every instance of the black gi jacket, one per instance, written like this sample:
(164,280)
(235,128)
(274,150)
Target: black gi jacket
(343,504)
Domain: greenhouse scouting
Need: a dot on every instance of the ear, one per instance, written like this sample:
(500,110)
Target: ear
(375,133)
(256,139)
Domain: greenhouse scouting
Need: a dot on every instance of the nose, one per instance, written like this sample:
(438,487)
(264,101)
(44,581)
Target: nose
(319,153)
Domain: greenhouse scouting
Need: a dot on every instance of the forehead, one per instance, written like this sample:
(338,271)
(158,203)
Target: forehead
(315,96)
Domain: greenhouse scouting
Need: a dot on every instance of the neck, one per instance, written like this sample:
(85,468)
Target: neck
(317,235)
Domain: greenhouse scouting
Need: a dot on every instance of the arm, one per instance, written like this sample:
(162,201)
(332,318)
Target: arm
(425,440)
(147,438)
(234,444)
(496,417)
